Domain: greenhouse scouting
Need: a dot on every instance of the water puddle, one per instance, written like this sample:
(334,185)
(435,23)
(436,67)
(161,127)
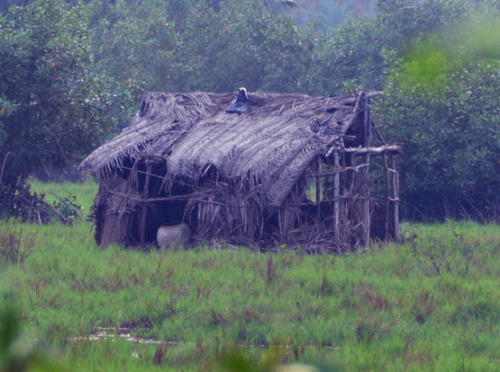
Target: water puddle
(124,333)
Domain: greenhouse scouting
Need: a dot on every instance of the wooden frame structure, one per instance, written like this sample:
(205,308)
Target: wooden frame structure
(300,171)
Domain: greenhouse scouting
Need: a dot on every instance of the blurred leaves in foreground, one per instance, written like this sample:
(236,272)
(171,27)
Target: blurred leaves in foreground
(275,359)
(17,351)
(429,61)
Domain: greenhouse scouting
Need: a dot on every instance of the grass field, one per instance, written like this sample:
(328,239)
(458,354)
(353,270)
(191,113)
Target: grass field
(432,303)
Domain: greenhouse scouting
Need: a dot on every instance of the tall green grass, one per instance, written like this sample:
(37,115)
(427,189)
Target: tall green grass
(430,303)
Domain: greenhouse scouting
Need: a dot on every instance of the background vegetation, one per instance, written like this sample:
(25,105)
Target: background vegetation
(72,73)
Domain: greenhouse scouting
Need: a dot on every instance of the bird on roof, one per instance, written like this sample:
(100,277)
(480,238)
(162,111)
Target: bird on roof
(241,103)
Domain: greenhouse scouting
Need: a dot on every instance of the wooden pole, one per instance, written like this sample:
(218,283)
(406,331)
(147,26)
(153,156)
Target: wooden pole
(280,224)
(366,203)
(145,194)
(318,190)
(387,149)
(395,196)
(336,193)
(388,195)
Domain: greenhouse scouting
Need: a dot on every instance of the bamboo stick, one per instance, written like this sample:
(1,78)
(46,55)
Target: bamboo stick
(366,157)
(318,190)
(395,190)
(145,193)
(387,200)
(373,150)
(336,199)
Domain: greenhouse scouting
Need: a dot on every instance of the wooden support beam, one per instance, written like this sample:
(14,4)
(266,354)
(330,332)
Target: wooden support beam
(395,195)
(366,219)
(336,199)
(368,95)
(318,190)
(145,194)
(388,193)
(389,149)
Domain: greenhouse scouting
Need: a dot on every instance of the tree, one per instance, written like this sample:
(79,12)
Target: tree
(54,107)
(242,44)
(360,52)
(6,4)
(197,47)
(280,5)
(133,39)
(442,103)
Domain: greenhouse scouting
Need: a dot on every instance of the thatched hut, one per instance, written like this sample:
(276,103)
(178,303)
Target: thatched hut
(295,170)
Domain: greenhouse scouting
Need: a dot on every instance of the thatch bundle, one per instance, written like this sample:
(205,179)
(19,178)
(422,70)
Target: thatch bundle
(245,178)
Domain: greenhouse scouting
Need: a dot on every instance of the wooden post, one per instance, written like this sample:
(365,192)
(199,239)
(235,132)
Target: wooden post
(388,194)
(349,183)
(145,195)
(318,190)
(395,196)
(366,202)
(336,194)
(280,224)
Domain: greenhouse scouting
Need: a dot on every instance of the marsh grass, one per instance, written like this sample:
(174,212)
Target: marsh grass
(430,303)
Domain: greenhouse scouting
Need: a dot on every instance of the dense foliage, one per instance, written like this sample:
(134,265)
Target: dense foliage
(54,106)
(442,102)
(72,71)
(451,157)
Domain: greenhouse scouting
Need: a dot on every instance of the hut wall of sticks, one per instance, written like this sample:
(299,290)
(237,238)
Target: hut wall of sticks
(294,171)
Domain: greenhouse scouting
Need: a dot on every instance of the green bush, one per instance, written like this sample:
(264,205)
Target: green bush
(442,106)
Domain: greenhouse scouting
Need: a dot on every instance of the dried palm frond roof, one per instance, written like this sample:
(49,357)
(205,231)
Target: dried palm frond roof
(271,145)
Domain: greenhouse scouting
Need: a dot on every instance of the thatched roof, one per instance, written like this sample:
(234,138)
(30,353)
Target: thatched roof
(270,146)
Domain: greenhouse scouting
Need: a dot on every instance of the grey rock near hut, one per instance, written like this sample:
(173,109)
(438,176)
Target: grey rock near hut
(168,236)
